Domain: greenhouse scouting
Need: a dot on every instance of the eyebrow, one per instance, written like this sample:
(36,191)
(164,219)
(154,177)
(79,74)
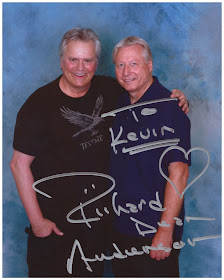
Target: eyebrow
(73,57)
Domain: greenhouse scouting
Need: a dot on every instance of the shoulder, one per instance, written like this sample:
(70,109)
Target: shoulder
(108,86)
(161,91)
(104,81)
(171,107)
(40,97)
(45,91)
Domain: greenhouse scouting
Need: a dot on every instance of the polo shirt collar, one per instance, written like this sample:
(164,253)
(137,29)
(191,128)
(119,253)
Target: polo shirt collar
(150,94)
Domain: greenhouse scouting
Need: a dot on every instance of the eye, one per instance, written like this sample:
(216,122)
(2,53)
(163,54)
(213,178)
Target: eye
(120,65)
(73,59)
(133,63)
(88,60)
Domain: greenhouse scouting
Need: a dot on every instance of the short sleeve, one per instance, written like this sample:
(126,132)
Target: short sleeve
(181,126)
(30,128)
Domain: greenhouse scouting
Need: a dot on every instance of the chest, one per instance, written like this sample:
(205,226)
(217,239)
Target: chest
(75,124)
(137,127)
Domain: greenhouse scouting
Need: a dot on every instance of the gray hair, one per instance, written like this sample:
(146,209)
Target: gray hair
(80,34)
(132,40)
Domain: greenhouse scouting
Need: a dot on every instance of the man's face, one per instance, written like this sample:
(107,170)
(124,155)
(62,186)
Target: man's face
(132,71)
(78,64)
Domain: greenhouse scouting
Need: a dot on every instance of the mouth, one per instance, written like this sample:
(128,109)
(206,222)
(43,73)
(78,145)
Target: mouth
(79,75)
(128,80)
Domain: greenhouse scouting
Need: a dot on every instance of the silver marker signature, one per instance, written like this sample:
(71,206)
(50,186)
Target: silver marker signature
(133,252)
(117,254)
(144,111)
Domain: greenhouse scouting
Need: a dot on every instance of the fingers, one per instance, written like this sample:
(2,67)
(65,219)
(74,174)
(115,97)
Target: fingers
(44,228)
(167,254)
(186,111)
(185,108)
(153,254)
(176,93)
(159,255)
(183,102)
(56,230)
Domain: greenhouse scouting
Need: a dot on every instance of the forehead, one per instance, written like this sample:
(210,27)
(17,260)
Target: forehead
(130,52)
(80,49)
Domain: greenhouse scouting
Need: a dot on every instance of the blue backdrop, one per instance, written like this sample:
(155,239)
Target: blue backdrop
(185,39)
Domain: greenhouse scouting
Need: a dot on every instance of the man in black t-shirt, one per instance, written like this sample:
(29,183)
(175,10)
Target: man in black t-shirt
(58,133)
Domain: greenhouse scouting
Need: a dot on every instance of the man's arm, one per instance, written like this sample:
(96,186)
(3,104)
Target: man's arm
(178,174)
(176,93)
(20,166)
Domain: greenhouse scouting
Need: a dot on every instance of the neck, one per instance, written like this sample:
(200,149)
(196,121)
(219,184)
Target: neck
(71,91)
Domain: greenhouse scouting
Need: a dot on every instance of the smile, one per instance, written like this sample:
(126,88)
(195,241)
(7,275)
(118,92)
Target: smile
(79,75)
(129,80)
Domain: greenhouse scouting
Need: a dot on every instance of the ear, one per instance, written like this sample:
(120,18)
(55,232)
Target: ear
(150,64)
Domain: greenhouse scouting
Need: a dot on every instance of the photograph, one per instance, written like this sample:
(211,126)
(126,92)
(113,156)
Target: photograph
(112,150)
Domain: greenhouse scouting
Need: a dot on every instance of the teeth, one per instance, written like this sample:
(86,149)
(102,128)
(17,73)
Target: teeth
(79,75)
(129,80)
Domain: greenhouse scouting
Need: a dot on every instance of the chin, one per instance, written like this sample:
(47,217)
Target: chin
(130,89)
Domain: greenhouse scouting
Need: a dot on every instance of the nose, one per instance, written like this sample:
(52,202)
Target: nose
(126,70)
(80,65)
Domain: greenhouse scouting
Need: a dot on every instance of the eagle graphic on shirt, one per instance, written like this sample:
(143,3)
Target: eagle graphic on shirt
(85,122)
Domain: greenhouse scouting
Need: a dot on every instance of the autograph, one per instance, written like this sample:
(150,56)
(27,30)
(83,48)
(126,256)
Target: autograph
(131,208)
(132,136)
(153,204)
(133,252)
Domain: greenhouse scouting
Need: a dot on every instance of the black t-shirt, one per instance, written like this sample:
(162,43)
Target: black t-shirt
(66,135)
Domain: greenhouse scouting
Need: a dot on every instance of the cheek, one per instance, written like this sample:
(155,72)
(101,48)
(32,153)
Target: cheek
(68,66)
(91,69)
(118,74)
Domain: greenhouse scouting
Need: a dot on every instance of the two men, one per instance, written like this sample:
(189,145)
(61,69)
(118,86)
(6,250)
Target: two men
(58,131)
(140,164)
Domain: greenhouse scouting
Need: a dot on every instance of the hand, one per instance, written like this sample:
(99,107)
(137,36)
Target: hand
(44,228)
(176,93)
(165,237)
